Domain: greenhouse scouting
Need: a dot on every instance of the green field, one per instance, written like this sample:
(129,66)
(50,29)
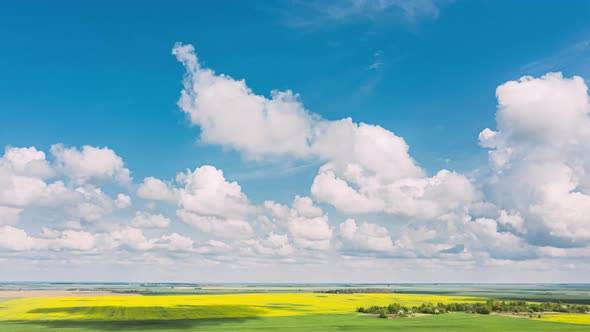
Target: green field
(311,323)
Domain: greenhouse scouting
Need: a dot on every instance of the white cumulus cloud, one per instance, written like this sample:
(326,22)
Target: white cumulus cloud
(90,162)
(539,155)
(148,220)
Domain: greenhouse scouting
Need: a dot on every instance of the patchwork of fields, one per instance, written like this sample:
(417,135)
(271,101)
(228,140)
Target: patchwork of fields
(305,311)
(201,306)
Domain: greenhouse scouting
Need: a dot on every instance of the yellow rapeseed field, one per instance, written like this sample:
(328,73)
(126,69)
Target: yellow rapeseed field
(202,306)
(567,318)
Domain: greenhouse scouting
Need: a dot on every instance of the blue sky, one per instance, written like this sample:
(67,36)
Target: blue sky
(102,74)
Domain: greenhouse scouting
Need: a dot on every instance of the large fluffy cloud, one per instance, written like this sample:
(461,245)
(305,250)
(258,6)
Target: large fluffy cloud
(231,114)
(421,197)
(539,156)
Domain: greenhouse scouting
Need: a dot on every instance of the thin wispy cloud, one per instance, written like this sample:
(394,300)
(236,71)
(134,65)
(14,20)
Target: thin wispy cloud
(576,55)
(277,170)
(377,60)
(314,14)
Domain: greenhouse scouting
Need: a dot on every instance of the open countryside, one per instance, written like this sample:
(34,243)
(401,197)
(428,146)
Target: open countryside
(289,308)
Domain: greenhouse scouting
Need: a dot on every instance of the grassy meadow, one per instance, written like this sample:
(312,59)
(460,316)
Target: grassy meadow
(257,311)
(310,323)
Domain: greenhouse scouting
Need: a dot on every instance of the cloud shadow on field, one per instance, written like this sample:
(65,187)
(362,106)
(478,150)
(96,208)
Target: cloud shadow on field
(119,318)
(134,325)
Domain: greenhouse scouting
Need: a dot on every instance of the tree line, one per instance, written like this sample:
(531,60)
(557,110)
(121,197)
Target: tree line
(357,290)
(476,307)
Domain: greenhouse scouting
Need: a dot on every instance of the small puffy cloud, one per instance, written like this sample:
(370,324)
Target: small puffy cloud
(280,243)
(275,245)
(366,237)
(176,242)
(23,173)
(304,207)
(301,207)
(315,229)
(123,201)
(311,233)
(328,188)
(20,190)
(348,229)
(487,138)
(279,212)
(221,227)
(92,204)
(156,189)
(368,148)
(90,162)
(514,221)
(88,211)
(132,238)
(206,200)
(26,161)
(147,220)
(212,247)
(206,192)
(12,238)
(306,223)
(74,240)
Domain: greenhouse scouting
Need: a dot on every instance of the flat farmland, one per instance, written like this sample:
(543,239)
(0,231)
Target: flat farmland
(202,306)
(306,311)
